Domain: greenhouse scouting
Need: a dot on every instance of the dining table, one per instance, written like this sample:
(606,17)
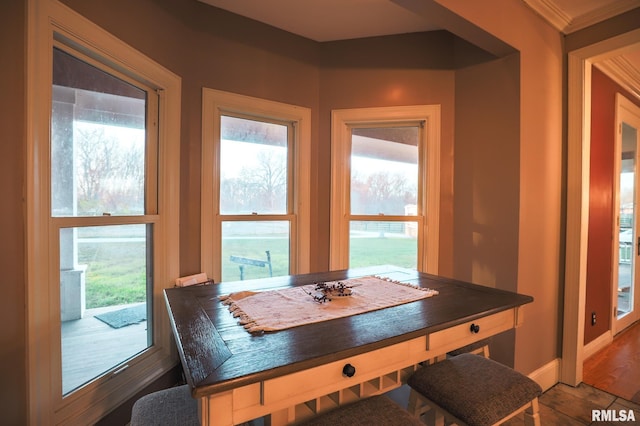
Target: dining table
(240,366)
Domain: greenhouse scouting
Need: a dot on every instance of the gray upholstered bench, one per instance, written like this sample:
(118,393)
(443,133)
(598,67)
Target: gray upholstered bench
(376,410)
(474,390)
(168,407)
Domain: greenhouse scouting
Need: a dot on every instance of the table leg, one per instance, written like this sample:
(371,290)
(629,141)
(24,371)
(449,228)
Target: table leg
(216,410)
(281,417)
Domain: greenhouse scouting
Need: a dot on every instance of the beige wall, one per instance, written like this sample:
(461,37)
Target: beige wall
(540,205)
(487,181)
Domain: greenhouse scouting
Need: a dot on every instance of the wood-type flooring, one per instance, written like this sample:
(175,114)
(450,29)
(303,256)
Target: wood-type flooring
(616,368)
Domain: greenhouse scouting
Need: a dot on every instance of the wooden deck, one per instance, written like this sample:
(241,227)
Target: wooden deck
(90,347)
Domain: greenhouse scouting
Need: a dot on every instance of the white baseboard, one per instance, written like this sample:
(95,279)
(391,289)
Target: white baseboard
(596,344)
(547,375)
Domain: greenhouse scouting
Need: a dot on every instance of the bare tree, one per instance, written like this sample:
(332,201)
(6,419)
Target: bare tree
(381,192)
(109,177)
(266,184)
(94,165)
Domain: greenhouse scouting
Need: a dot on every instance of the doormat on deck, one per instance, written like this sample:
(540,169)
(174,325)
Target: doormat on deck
(125,316)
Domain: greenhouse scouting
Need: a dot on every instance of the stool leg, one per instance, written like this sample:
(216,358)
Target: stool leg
(416,406)
(482,351)
(425,412)
(532,414)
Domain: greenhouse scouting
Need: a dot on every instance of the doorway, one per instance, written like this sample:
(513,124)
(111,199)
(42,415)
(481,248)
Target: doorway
(625,306)
(578,155)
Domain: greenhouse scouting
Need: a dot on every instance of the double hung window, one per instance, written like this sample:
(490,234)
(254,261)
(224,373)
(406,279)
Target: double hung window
(255,187)
(385,183)
(102,220)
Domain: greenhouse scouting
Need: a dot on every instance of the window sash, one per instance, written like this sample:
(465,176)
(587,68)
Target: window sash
(151,120)
(376,148)
(290,160)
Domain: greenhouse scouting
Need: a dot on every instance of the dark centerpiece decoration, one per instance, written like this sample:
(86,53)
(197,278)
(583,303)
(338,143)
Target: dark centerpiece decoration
(324,292)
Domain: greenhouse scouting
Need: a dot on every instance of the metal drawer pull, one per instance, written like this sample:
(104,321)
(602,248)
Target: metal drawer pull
(475,328)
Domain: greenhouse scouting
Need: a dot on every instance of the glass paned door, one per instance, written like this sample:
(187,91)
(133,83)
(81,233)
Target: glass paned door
(627,238)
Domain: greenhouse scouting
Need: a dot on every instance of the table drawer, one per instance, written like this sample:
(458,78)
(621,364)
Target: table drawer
(461,335)
(329,377)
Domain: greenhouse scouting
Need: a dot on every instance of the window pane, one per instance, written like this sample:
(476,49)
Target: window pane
(628,236)
(105,276)
(254,249)
(384,170)
(253,167)
(383,243)
(97,142)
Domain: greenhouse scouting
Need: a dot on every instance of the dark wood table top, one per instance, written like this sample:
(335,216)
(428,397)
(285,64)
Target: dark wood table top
(217,354)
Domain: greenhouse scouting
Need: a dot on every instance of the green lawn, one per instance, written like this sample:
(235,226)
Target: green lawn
(116,271)
(383,251)
(255,248)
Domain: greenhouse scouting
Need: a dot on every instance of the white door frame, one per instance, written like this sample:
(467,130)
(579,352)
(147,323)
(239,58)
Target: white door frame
(579,139)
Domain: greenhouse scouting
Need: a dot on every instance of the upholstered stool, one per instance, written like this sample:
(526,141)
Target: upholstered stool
(376,410)
(417,405)
(168,407)
(474,390)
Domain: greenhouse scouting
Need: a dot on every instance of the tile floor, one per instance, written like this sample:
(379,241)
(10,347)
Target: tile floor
(564,405)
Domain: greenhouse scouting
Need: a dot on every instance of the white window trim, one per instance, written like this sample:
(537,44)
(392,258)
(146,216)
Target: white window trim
(48,19)
(341,120)
(214,104)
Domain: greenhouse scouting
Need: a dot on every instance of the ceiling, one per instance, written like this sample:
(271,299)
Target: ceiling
(331,20)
